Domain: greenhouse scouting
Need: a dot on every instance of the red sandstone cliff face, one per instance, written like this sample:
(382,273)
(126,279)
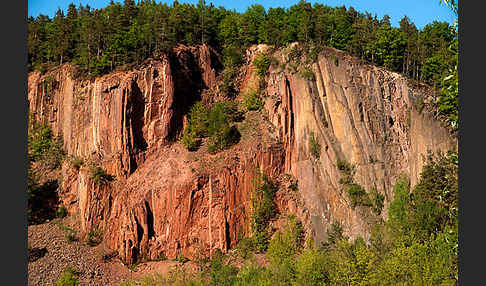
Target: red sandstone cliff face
(166,200)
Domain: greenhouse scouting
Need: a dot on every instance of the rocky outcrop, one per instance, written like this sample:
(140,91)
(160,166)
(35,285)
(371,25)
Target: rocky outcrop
(167,201)
(360,114)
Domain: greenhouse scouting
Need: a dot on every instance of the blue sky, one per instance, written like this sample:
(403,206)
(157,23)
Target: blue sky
(421,12)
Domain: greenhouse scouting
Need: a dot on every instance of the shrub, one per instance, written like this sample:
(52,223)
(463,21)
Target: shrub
(324,121)
(314,146)
(419,104)
(264,209)
(262,63)
(77,162)
(181,258)
(312,268)
(307,74)
(245,247)
(358,195)
(222,274)
(294,53)
(378,200)
(43,146)
(214,123)
(99,175)
(250,275)
(282,250)
(347,171)
(68,278)
(335,60)
(94,237)
(61,212)
(190,141)
(334,234)
(293,186)
(253,101)
(70,235)
(221,134)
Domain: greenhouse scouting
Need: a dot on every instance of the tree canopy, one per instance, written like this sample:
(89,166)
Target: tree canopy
(101,40)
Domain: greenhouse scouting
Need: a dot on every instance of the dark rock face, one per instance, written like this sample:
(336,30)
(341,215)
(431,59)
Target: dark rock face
(166,200)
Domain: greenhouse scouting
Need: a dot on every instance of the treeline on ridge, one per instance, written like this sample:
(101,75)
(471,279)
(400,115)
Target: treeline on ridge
(99,41)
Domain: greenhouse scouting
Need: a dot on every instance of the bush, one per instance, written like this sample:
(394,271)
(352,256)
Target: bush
(312,268)
(314,146)
(222,274)
(307,74)
(264,209)
(347,171)
(214,123)
(70,235)
(43,146)
(61,212)
(77,162)
(324,121)
(68,278)
(282,250)
(262,63)
(378,200)
(250,275)
(94,237)
(221,134)
(358,195)
(245,247)
(99,175)
(253,101)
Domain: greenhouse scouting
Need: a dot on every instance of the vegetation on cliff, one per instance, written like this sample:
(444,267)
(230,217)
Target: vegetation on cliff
(45,155)
(416,245)
(215,123)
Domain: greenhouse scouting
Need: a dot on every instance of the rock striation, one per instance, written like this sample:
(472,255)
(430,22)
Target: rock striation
(165,200)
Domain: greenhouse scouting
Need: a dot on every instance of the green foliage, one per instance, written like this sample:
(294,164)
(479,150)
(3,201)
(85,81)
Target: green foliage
(250,275)
(264,209)
(215,123)
(358,195)
(314,146)
(262,63)
(222,135)
(377,201)
(449,99)
(347,172)
(245,247)
(221,273)
(324,121)
(282,251)
(253,101)
(420,104)
(311,268)
(197,126)
(307,74)
(61,212)
(335,60)
(94,237)
(181,258)
(70,277)
(43,146)
(70,235)
(77,162)
(99,175)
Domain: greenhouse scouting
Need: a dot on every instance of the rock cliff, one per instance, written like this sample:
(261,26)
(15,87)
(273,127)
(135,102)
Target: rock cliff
(165,200)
